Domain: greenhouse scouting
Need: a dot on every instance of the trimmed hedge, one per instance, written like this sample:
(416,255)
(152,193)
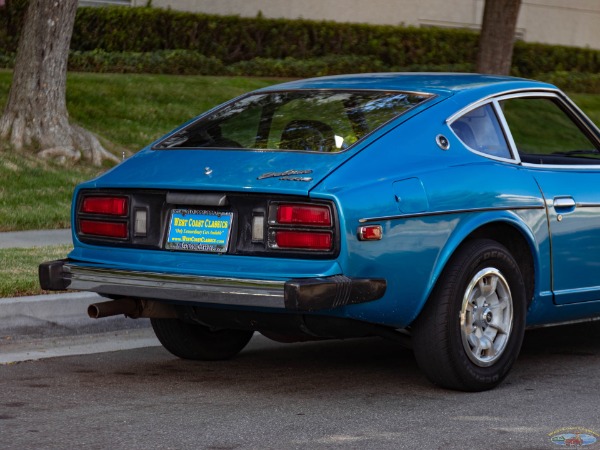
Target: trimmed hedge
(186,62)
(584,83)
(530,60)
(232,39)
(174,62)
(124,39)
(11,21)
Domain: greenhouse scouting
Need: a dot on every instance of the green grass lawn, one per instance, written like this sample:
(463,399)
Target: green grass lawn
(590,104)
(19,268)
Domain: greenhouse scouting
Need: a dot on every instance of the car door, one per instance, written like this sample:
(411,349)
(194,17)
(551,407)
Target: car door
(561,150)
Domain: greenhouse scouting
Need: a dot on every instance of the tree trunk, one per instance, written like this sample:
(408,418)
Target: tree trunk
(497,36)
(36,112)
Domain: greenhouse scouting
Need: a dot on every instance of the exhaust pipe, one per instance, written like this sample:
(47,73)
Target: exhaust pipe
(127,306)
(132,308)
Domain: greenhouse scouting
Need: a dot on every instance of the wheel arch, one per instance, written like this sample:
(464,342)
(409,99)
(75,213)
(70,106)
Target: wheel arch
(507,230)
(518,245)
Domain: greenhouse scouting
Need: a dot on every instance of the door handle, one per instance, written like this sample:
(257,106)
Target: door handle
(564,203)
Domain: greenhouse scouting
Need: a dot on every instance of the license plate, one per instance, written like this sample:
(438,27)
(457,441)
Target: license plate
(199,230)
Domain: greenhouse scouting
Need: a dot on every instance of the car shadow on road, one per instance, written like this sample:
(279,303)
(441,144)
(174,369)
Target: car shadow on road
(315,368)
(330,368)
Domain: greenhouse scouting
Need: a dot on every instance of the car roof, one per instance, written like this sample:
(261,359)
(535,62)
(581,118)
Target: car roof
(442,84)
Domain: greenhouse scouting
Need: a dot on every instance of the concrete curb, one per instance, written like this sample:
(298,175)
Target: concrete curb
(61,316)
(57,315)
(39,309)
(35,238)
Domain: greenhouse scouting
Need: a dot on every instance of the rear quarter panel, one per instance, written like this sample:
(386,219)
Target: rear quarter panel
(462,192)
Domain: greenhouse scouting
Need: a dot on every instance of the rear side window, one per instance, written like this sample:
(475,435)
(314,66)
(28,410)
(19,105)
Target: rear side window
(304,120)
(480,130)
(544,133)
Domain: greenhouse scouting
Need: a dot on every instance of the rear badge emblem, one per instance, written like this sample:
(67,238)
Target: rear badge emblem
(288,175)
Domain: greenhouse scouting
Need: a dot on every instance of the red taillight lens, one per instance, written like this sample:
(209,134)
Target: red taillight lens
(112,206)
(103,228)
(308,215)
(305,240)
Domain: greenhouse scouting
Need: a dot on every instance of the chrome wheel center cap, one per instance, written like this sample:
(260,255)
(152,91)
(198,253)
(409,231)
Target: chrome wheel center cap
(488,316)
(483,317)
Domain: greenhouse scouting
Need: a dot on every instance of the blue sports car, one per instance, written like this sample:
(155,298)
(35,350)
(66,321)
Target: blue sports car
(446,211)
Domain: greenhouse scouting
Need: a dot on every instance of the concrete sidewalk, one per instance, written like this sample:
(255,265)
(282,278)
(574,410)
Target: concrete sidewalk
(36,238)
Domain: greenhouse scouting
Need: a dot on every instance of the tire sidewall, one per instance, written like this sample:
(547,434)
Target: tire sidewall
(490,255)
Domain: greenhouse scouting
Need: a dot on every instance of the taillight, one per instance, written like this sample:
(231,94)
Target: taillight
(103,228)
(112,206)
(299,214)
(308,240)
(301,227)
(104,216)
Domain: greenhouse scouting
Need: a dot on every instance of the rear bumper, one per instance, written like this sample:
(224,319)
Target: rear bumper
(303,294)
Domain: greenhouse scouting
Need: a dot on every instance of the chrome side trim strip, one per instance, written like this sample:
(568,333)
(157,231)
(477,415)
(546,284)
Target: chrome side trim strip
(448,212)
(512,93)
(565,167)
(187,288)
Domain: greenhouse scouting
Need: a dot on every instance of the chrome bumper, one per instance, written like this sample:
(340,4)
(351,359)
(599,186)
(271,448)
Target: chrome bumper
(304,294)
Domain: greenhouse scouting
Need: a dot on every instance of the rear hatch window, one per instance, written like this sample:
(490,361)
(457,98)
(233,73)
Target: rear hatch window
(301,120)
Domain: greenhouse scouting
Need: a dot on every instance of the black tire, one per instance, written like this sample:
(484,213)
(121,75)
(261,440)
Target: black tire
(198,342)
(470,332)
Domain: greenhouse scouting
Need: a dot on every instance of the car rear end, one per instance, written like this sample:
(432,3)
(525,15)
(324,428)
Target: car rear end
(216,223)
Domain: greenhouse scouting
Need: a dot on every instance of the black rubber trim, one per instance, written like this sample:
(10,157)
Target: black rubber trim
(51,276)
(311,294)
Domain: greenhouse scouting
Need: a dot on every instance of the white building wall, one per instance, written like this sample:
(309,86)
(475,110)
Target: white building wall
(565,22)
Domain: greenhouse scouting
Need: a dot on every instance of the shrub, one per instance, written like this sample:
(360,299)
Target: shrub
(585,83)
(143,39)
(303,68)
(179,62)
(232,39)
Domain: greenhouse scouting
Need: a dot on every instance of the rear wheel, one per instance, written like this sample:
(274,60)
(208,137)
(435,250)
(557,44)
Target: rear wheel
(199,342)
(470,332)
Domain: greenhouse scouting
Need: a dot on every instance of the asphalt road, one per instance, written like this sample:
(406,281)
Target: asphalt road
(357,394)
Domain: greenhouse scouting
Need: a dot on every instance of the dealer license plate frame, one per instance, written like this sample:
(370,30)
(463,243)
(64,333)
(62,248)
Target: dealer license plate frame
(205,230)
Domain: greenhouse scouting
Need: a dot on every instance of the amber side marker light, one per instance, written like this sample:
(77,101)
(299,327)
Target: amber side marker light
(370,233)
